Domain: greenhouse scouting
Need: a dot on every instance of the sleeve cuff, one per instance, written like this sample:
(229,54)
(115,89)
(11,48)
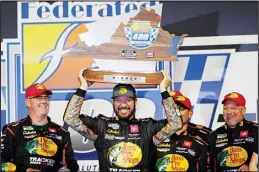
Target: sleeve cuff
(80,92)
(165,94)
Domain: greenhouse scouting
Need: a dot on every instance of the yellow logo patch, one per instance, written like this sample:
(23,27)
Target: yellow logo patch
(171,93)
(40,87)
(42,146)
(236,156)
(8,167)
(125,154)
(110,131)
(221,140)
(180,98)
(29,132)
(47,147)
(233,95)
(123,90)
(172,162)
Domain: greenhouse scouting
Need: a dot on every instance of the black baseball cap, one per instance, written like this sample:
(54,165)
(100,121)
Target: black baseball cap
(124,90)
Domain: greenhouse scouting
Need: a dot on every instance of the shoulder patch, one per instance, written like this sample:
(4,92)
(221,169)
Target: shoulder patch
(198,139)
(104,117)
(199,126)
(13,124)
(63,129)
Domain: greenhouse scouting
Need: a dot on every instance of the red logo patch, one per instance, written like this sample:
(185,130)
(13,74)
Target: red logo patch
(243,134)
(187,144)
(52,130)
(150,54)
(134,128)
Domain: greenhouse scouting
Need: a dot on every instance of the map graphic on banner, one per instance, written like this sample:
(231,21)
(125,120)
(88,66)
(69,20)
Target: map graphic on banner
(46,50)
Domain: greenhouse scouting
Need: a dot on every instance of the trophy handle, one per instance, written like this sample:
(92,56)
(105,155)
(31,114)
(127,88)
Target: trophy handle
(148,78)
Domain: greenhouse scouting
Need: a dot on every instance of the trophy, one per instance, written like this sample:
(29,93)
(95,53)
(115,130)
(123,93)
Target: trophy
(127,48)
(123,77)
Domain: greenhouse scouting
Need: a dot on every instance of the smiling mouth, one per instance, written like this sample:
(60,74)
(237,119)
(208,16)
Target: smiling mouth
(124,111)
(231,117)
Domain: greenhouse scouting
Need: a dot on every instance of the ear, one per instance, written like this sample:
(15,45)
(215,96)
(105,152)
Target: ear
(27,102)
(136,101)
(243,110)
(190,113)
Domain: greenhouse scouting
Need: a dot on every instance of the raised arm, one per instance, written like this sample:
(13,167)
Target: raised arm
(87,127)
(174,121)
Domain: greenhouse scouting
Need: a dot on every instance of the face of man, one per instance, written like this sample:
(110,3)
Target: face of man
(233,113)
(186,114)
(38,105)
(124,106)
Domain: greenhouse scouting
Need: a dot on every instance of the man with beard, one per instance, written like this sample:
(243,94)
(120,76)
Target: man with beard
(35,143)
(232,145)
(123,142)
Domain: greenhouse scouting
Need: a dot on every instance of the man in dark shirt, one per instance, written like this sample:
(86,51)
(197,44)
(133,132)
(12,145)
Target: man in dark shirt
(35,143)
(123,142)
(232,145)
(182,151)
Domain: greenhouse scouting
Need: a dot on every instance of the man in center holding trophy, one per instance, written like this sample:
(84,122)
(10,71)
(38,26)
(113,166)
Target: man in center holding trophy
(127,56)
(123,142)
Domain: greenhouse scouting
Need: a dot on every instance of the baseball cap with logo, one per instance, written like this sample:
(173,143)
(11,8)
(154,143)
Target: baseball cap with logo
(36,90)
(235,97)
(124,90)
(175,93)
(184,101)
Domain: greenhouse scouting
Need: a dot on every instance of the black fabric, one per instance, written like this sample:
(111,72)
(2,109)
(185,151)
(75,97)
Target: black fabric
(230,148)
(22,142)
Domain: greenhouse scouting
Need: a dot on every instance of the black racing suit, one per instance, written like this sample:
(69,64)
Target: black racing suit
(46,147)
(230,148)
(199,130)
(182,152)
(123,145)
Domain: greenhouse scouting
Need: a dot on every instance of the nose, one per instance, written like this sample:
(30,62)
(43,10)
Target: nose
(228,110)
(123,104)
(44,100)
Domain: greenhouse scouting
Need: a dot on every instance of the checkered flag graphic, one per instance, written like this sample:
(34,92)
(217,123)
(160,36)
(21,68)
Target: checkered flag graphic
(200,77)
(153,35)
(127,31)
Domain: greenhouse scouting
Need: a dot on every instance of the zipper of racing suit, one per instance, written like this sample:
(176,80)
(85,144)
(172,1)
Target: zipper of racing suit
(126,126)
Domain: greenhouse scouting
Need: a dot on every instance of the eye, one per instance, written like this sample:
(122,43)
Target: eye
(117,101)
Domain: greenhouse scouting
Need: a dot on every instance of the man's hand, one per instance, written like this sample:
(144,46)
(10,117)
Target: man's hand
(243,168)
(83,83)
(166,82)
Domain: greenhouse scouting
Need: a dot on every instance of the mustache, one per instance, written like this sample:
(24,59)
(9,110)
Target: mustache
(121,108)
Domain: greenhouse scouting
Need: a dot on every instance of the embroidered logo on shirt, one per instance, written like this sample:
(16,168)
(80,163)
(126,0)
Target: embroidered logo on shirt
(243,134)
(134,128)
(187,144)
(52,130)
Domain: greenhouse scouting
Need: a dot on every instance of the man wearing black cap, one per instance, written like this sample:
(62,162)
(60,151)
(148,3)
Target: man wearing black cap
(124,143)
(232,145)
(35,143)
